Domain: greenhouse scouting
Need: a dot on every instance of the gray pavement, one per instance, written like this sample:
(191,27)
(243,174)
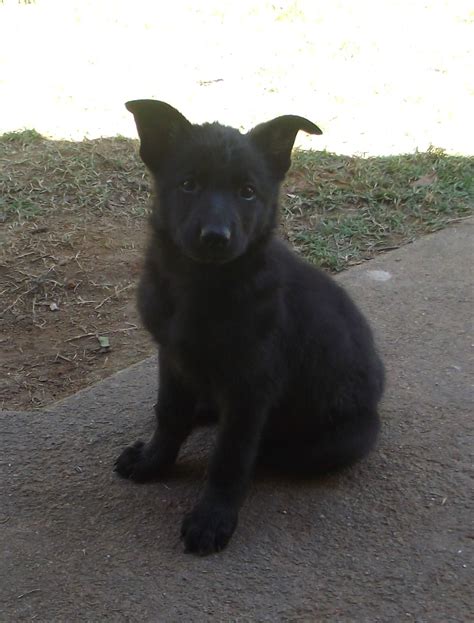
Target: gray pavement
(389,540)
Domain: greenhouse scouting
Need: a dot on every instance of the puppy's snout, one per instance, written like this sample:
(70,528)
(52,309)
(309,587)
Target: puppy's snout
(215,236)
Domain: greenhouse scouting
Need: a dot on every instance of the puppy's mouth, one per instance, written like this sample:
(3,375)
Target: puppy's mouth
(211,257)
(215,254)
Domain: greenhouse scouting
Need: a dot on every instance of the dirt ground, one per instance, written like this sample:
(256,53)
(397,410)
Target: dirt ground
(74,229)
(71,317)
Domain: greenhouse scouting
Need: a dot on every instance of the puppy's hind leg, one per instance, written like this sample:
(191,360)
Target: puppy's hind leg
(334,448)
(175,410)
(205,413)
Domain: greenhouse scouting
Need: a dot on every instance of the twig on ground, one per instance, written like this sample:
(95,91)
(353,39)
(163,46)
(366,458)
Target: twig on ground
(16,300)
(132,327)
(18,257)
(116,293)
(79,337)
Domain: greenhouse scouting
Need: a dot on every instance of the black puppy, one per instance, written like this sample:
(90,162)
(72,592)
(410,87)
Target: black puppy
(274,346)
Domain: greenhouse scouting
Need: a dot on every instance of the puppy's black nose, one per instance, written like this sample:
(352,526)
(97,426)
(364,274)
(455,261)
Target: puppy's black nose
(215,236)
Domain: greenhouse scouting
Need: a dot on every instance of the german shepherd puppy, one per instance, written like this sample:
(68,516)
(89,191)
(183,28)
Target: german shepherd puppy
(270,344)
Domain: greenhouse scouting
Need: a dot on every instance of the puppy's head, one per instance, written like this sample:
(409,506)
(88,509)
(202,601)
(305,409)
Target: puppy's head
(217,189)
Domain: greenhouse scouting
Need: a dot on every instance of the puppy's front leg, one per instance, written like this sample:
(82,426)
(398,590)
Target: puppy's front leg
(175,415)
(209,526)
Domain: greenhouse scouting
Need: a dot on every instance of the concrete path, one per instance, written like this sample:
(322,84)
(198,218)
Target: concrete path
(390,540)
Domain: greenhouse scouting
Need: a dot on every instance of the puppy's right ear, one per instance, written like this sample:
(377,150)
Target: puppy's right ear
(158,124)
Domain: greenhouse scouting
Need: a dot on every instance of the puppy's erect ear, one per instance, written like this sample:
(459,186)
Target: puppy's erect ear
(275,140)
(158,124)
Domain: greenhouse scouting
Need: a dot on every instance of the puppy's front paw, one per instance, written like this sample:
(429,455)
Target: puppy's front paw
(208,528)
(138,463)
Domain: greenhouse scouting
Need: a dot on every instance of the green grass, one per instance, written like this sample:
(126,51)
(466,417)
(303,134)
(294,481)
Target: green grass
(344,209)
(19,209)
(39,176)
(21,137)
(336,210)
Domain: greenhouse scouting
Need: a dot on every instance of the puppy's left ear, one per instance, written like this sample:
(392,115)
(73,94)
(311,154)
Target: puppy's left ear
(275,140)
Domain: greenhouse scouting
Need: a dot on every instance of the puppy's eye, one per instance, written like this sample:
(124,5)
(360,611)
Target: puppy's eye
(247,192)
(189,185)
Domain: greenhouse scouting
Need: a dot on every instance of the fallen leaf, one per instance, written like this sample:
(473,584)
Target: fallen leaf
(104,341)
(425,180)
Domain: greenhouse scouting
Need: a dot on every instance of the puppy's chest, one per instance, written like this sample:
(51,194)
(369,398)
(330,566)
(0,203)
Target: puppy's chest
(208,331)
(208,324)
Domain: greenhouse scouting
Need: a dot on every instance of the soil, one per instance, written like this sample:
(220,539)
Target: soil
(74,218)
(69,286)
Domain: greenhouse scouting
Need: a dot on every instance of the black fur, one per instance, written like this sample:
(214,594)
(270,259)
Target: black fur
(274,346)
